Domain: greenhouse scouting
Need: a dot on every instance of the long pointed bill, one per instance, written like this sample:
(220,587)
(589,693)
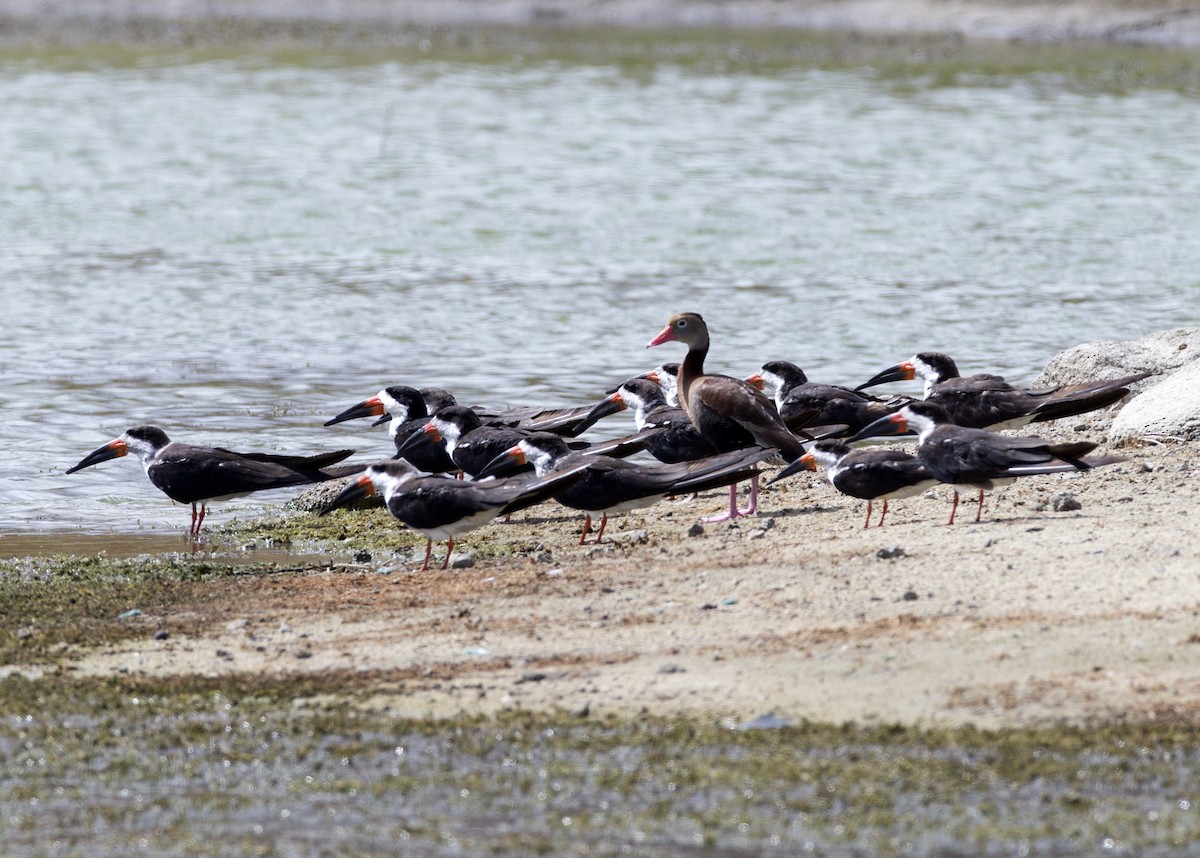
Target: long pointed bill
(509,462)
(423,437)
(359,488)
(367,408)
(892,424)
(611,405)
(664,336)
(111,450)
(900,372)
(804,463)
(755,381)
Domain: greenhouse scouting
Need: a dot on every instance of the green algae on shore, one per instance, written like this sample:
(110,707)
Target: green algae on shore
(914,60)
(52,604)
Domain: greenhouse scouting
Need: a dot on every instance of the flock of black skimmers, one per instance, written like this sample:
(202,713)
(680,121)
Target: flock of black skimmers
(457,468)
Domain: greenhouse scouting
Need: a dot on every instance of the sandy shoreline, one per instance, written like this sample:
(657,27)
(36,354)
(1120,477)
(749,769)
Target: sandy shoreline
(1031,616)
(1156,22)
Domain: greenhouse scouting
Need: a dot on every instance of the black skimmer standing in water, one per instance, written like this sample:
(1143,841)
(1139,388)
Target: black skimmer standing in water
(615,485)
(989,402)
(443,508)
(869,475)
(406,411)
(797,398)
(196,475)
(679,440)
(962,456)
(727,411)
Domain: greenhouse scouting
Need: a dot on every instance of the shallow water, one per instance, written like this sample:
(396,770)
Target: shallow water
(238,248)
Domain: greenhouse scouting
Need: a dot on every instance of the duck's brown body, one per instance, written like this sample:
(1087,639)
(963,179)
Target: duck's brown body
(727,411)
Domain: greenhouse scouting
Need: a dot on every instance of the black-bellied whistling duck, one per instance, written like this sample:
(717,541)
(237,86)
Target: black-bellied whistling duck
(614,485)
(727,411)
(443,508)
(869,475)
(989,402)
(188,473)
(962,456)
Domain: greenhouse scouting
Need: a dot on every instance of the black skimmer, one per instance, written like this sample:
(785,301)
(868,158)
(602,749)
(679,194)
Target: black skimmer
(443,508)
(466,440)
(196,475)
(965,456)
(473,445)
(666,376)
(989,402)
(615,485)
(406,411)
(797,399)
(727,411)
(679,441)
(869,475)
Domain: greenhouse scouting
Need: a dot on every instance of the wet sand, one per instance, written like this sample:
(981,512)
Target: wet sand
(1031,616)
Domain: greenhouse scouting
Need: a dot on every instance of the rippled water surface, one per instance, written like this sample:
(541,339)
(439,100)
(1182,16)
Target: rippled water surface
(236,249)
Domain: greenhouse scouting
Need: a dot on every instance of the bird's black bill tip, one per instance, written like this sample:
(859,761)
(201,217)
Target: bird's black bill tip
(802,463)
(505,465)
(111,450)
(356,489)
(611,405)
(354,412)
(892,424)
(899,372)
(416,441)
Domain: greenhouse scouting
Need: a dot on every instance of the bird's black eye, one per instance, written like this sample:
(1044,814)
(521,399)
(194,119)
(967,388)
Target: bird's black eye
(682,323)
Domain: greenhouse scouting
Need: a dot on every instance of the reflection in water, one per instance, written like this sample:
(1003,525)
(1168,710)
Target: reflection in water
(237,249)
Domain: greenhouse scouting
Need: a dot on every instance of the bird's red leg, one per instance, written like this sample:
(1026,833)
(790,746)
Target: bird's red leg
(753,508)
(192,530)
(203,510)
(603,522)
(449,551)
(883,514)
(979,512)
(868,524)
(587,528)
(954,508)
(428,549)
(731,514)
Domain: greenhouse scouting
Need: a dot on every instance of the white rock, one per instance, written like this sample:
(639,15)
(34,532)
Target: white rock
(1163,353)
(1169,409)
(1159,352)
